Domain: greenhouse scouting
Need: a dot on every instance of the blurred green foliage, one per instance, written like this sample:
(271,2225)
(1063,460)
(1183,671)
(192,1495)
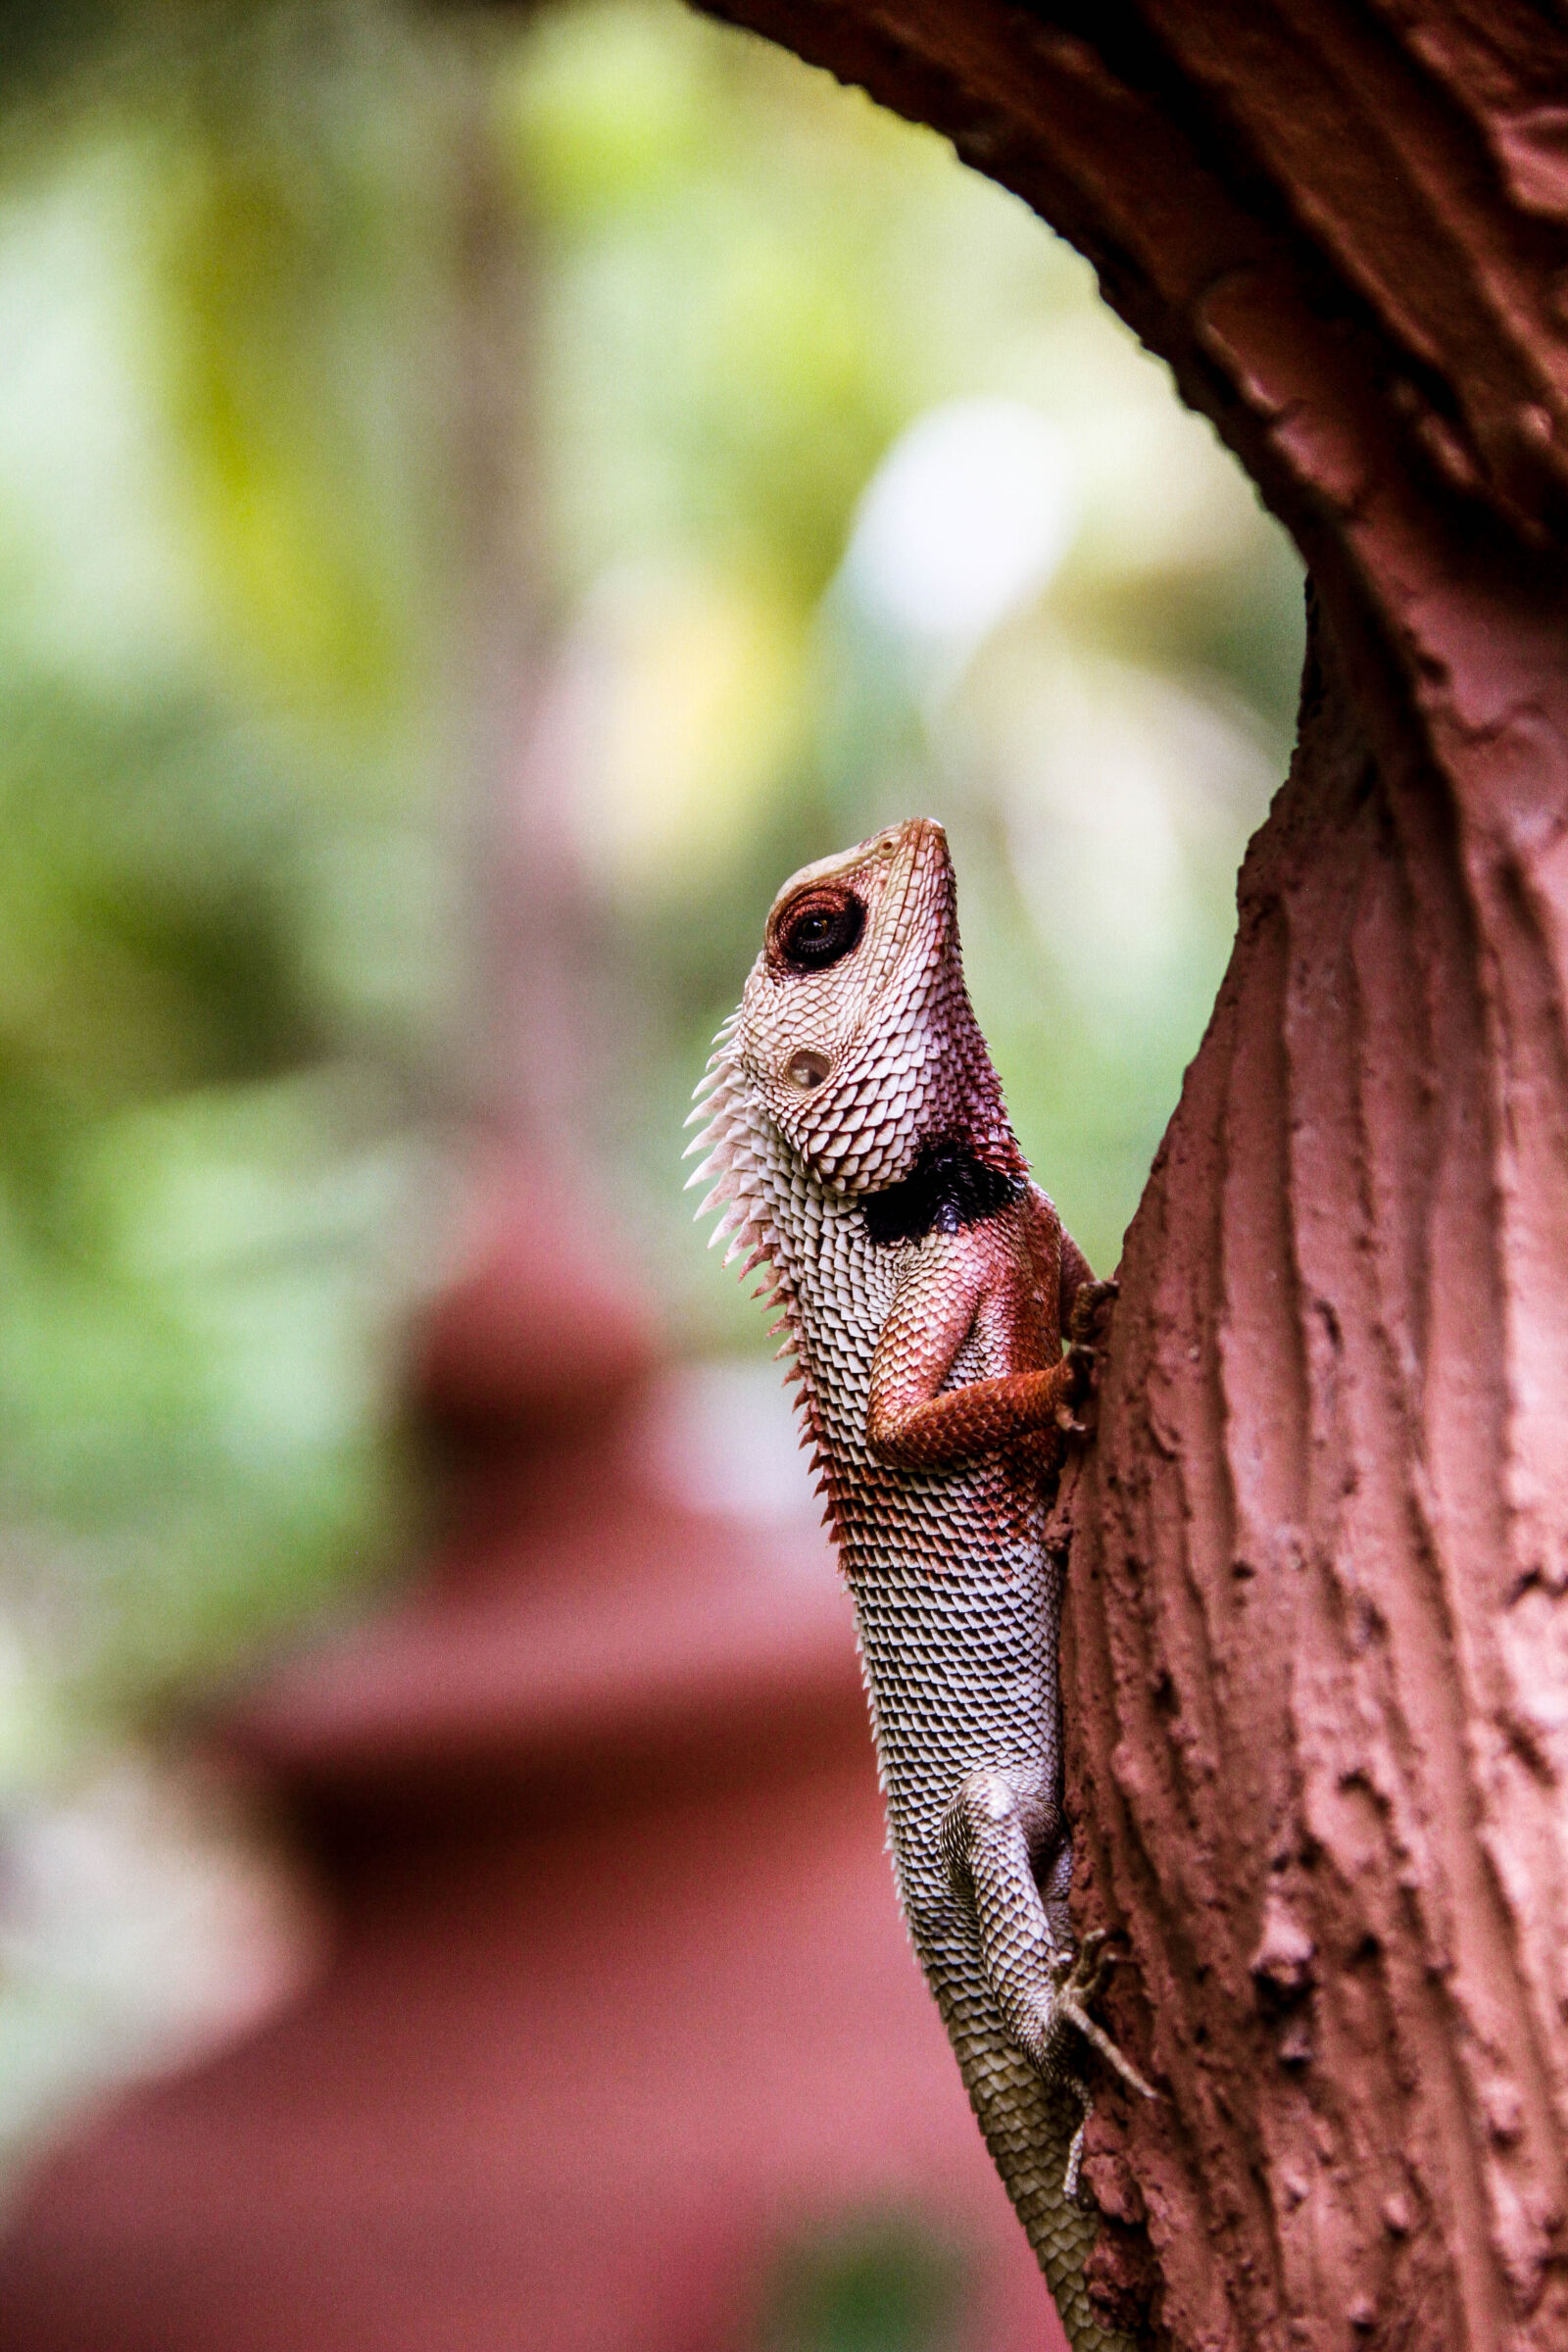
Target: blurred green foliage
(234,586)
(224,919)
(872,2282)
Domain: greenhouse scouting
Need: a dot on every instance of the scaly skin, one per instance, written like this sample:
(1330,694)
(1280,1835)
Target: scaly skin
(857,1140)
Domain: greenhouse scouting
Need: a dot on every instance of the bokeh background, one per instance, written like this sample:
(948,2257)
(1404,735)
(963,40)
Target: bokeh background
(483,496)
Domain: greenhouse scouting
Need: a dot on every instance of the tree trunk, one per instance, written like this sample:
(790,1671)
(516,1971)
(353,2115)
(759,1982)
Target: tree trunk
(1316,1654)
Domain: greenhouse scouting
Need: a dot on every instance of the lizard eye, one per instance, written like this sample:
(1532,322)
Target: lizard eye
(821,931)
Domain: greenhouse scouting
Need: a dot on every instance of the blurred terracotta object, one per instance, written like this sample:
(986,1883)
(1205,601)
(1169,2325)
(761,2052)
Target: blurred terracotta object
(619,2005)
(546,1320)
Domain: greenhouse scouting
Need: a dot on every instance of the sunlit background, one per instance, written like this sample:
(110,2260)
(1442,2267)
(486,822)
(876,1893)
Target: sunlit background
(481,499)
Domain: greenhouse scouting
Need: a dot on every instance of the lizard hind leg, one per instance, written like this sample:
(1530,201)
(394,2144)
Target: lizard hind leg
(998,1821)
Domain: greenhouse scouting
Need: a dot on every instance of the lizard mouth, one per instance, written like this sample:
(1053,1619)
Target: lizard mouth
(923,840)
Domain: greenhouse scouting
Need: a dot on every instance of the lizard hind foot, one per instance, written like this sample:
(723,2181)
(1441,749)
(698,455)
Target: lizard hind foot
(1079,1977)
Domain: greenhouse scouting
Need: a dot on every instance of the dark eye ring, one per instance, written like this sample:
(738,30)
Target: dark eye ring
(821,932)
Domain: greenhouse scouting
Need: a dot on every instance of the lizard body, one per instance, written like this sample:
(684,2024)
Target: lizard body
(857,1143)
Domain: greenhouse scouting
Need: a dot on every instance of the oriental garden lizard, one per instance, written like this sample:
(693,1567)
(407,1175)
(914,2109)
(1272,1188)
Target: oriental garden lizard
(855,1139)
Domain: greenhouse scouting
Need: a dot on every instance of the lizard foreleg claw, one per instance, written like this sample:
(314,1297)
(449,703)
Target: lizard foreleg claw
(1090,1319)
(1087,1327)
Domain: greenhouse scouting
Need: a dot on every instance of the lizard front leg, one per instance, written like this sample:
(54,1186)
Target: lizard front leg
(1000,1825)
(959,1283)
(964,1282)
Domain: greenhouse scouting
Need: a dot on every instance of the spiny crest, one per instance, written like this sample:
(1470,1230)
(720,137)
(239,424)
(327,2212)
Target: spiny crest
(728,1142)
(732,1141)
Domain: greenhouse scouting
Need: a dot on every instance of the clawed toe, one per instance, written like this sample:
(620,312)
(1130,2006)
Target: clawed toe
(1099,1978)
(1074,2009)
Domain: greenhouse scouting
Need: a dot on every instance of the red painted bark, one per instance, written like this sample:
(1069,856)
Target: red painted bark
(1316,1666)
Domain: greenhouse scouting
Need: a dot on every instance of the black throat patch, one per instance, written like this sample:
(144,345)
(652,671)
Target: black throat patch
(947,1189)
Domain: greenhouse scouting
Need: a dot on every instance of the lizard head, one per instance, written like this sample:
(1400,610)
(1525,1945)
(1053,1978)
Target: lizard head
(854,1040)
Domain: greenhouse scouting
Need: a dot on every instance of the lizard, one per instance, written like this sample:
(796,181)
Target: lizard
(856,1143)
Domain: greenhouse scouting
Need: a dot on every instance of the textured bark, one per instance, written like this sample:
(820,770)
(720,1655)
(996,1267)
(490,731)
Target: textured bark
(1316,1667)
